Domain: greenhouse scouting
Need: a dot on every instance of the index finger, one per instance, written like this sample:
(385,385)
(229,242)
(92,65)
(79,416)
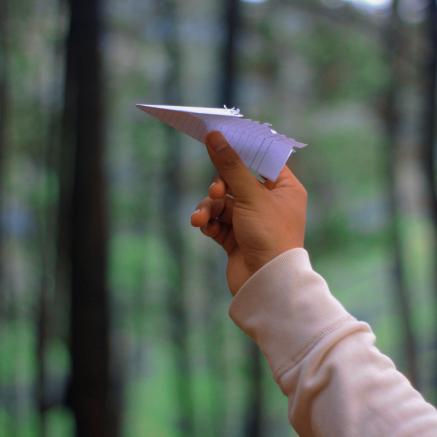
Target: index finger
(217,189)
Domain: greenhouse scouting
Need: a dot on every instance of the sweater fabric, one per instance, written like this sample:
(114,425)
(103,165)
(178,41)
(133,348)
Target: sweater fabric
(323,359)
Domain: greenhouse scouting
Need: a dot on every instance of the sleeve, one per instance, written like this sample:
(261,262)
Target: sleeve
(324,360)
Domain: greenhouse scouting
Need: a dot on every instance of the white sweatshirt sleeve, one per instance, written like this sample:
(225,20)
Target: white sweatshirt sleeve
(324,360)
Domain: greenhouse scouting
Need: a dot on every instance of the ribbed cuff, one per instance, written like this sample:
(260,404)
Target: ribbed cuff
(286,308)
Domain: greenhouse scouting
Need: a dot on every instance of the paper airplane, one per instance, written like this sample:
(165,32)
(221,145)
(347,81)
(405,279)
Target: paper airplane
(260,147)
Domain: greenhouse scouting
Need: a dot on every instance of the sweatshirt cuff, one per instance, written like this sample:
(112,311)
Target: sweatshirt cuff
(286,307)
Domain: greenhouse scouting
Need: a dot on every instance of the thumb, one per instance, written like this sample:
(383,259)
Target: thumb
(231,168)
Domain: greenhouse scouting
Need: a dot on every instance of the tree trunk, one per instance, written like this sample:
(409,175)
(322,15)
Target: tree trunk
(213,270)
(232,17)
(429,139)
(91,397)
(253,416)
(172,198)
(392,122)
(232,21)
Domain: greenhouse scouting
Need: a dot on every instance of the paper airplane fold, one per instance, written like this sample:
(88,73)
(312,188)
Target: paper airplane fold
(258,145)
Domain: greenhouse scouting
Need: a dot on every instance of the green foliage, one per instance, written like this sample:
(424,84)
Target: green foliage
(127,263)
(17,352)
(347,64)
(60,423)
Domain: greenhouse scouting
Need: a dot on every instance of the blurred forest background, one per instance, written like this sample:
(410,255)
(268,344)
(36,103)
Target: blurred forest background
(113,310)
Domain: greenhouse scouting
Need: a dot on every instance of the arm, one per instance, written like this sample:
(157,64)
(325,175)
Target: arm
(324,360)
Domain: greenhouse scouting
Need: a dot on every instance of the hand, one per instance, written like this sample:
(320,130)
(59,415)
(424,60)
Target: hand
(253,222)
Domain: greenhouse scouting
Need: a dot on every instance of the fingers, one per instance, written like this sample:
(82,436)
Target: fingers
(221,233)
(214,216)
(209,209)
(211,229)
(200,217)
(286,178)
(206,210)
(230,167)
(217,189)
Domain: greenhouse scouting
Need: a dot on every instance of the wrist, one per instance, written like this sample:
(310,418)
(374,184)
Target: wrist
(255,263)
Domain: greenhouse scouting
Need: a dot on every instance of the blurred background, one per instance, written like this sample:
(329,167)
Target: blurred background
(113,310)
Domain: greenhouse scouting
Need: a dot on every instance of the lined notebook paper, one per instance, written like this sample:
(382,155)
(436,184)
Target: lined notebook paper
(260,147)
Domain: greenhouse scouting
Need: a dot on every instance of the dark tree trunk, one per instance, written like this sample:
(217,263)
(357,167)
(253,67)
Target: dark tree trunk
(392,123)
(429,141)
(253,416)
(172,198)
(232,22)
(229,22)
(214,270)
(229,96)
(91,397)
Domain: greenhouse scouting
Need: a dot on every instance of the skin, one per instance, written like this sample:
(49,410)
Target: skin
(253,222)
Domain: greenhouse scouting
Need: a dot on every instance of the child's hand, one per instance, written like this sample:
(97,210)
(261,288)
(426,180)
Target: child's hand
(253,222)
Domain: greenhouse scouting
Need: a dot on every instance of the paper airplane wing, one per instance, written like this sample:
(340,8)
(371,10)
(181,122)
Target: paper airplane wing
(260,148)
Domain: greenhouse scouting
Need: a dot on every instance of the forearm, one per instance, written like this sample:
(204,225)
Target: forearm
(323,359)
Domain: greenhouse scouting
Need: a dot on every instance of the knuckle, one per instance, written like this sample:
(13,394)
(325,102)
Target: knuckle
(203,202)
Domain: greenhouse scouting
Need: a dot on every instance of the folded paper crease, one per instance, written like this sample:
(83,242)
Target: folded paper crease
(260,147)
